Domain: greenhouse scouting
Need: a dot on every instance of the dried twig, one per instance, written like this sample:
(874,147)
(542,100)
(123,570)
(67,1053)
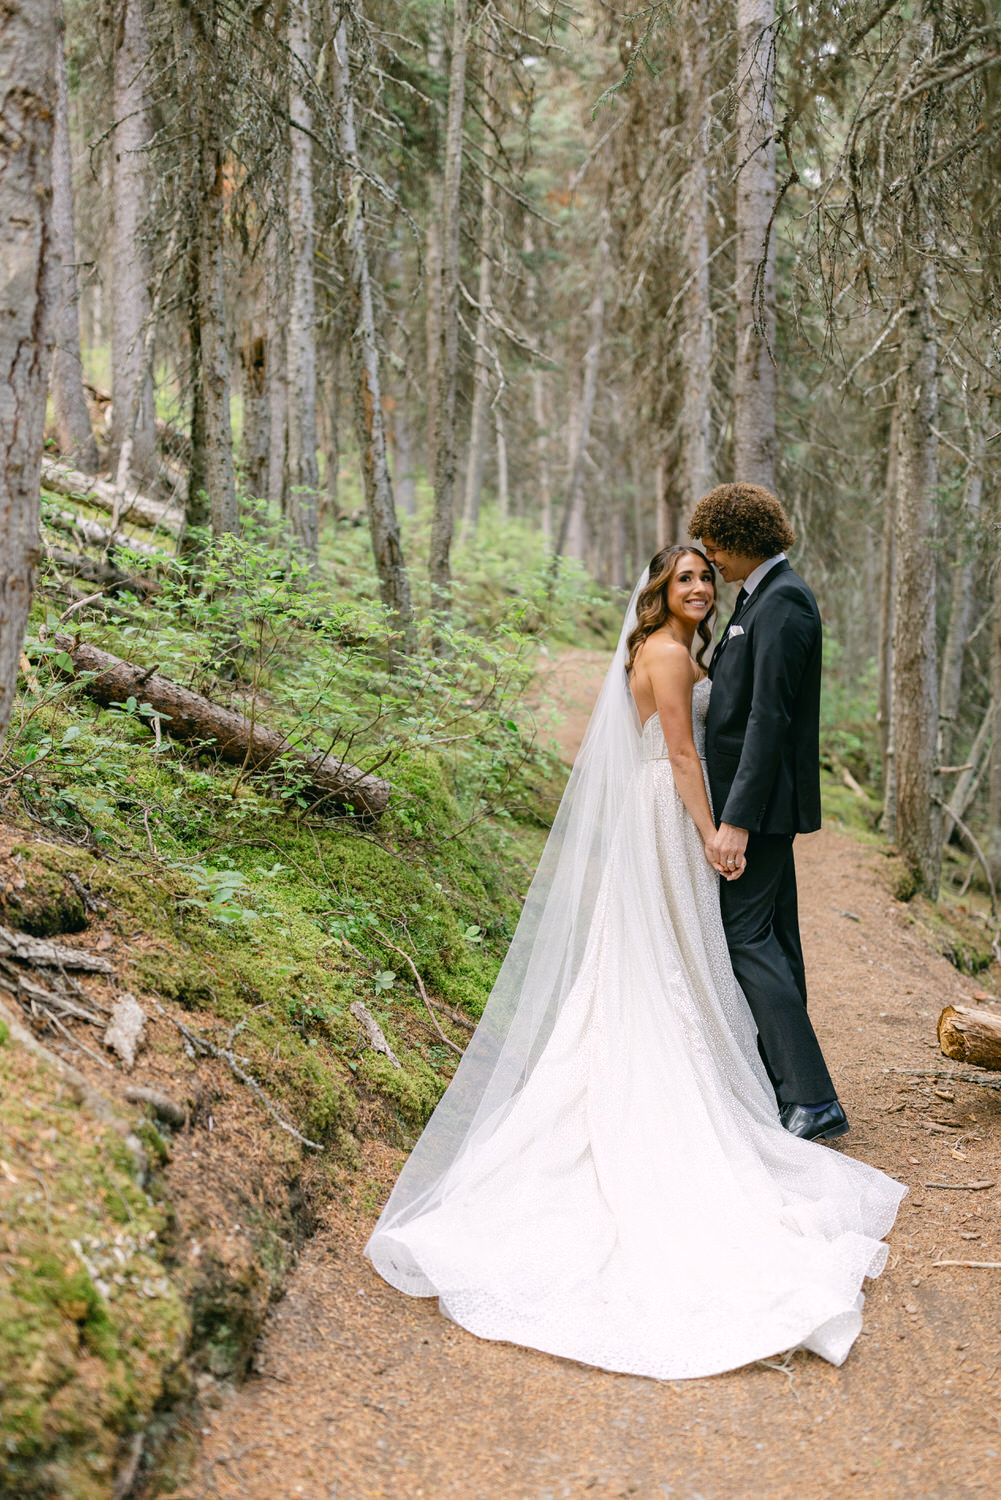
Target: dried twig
(968,1187)
(954,1073)
(974,1265)
(198,1045)
(420,985)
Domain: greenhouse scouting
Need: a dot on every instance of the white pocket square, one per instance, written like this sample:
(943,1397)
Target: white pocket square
(735,630)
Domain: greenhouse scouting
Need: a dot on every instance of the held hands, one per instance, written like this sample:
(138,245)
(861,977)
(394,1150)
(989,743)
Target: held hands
(726,851)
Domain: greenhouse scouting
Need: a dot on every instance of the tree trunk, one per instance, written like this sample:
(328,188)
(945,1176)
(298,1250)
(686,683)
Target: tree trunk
(538,398)
(971,1036)
(406,479)
(277,324)
(197,42)
(76,437)
(968,781)
(433,247)
(994,714)
(131,380)
(596,328)
(696,341)
(255,445)
(961,605)
(884,714)
(503,490)
(193,719)
(482,362)
(303,468)
(330,430)
(914,709)
(754,375)
(370,430)
(443,520)
(29,38)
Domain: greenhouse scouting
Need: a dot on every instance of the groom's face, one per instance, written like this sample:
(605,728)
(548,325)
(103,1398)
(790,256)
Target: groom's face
(733,567)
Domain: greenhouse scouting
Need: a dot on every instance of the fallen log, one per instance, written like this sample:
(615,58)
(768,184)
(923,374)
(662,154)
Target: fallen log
(62,480)
(97,571)
(189,717)
(971,1036)
(91,533)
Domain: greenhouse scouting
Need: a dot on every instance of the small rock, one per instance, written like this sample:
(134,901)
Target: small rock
(125,1031)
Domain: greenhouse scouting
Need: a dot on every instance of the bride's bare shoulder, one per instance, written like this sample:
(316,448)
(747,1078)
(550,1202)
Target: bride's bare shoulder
(660,652)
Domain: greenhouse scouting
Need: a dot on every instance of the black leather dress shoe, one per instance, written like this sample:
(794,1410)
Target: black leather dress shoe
(814,1124)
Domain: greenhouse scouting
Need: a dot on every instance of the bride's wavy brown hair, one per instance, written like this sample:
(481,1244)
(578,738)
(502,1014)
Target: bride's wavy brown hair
(651,606)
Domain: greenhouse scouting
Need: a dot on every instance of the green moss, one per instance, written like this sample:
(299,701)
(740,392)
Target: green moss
(90,1324)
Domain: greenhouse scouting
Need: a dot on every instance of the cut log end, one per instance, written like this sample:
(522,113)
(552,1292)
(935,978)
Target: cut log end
(971,1035)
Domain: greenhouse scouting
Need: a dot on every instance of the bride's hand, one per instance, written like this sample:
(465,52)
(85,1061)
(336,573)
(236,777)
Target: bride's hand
(727,874)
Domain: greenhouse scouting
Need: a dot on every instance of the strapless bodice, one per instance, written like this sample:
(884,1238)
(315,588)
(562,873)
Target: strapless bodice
(652,743)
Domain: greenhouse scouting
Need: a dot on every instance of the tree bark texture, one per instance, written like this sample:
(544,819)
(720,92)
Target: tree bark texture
(254,386)
(69,403)
(278,311)
(971,1035)
(994,717)
(482,361)
(884,669)
(754,374)
(914,709)
(433,247)
(696,340)
(403,447)
(592,358)
(197,42)
(370,430)
(545,493)
(443,520)
(303,466)
(131,380)
(29,287)
(503,485)
(961,603)
(235,737)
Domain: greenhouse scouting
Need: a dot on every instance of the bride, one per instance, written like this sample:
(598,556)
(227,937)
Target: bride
(606,1177)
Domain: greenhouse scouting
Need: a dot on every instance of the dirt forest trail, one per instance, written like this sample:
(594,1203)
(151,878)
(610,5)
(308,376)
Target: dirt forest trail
(362,1394)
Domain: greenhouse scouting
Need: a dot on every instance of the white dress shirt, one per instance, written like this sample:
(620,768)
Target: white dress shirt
(753,579)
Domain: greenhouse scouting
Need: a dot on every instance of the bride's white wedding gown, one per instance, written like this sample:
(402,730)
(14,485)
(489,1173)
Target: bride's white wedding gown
(637,1205)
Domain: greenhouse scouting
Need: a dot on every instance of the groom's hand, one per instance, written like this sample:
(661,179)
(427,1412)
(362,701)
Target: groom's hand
(729,850)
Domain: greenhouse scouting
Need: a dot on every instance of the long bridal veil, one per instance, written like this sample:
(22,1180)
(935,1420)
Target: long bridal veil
(544,958)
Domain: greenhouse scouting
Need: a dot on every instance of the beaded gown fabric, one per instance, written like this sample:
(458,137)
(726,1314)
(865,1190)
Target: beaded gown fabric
(636,1205)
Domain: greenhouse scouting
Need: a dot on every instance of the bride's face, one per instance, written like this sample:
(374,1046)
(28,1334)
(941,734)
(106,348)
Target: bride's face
(691,592)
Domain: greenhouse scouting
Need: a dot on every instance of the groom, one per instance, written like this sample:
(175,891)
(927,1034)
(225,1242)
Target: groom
(763,755)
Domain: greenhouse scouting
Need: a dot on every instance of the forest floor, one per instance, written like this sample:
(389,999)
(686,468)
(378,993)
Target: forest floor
(359,1393)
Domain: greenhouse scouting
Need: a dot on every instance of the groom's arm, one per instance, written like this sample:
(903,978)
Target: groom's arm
(784,639)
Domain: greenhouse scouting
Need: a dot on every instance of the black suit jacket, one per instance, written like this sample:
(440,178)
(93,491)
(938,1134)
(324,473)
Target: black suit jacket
(763,728)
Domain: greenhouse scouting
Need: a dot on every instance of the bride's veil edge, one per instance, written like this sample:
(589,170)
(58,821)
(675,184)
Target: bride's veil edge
(545,952)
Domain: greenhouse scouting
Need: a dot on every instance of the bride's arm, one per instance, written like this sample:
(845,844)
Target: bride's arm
(670,674)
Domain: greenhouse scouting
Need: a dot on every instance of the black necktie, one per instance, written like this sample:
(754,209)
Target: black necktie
(738,606)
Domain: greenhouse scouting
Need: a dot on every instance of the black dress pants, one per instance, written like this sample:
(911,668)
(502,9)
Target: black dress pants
(761,922)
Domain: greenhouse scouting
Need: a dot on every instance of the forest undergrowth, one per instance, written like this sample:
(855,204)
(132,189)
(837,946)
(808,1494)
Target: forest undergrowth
(308,977)
(247,917)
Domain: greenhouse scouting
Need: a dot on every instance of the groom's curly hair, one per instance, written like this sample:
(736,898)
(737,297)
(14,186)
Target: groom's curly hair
(743,518)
